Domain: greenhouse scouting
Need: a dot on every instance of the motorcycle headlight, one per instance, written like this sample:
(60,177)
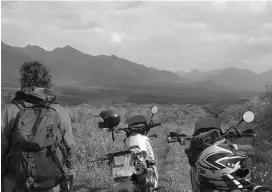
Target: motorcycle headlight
(243,163)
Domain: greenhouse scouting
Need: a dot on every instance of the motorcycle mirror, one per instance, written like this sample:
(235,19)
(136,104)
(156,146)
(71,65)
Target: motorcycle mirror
(154,110)
(248,116)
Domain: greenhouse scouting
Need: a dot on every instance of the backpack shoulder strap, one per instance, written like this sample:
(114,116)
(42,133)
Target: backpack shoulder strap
(19,103)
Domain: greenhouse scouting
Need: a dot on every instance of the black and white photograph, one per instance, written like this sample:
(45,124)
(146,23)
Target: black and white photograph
(136,96)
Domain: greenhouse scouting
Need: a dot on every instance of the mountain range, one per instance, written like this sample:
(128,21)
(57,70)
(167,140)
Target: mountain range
(230,77)
(71,67)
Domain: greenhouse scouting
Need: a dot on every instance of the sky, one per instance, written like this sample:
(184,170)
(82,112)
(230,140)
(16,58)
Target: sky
(176,36)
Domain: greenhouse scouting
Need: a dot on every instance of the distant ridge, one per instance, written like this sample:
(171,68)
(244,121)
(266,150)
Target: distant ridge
(70,66)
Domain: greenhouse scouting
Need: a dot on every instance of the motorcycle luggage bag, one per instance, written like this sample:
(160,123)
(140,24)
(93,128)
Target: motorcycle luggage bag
(121,165)
(200,142)
(136,119)
(206,124)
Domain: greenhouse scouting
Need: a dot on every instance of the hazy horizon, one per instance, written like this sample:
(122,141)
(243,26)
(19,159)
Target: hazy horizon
(174,36)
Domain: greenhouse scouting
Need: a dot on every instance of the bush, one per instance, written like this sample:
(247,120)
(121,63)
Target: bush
(262,108)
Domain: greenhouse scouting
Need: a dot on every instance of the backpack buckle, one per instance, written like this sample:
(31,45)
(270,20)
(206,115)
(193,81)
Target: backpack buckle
(30,155)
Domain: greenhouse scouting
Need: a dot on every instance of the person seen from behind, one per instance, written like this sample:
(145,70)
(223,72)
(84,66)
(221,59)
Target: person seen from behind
(38,145)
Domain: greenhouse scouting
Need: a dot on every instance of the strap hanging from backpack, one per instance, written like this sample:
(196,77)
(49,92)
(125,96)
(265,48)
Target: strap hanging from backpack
(31,171)
(53,149)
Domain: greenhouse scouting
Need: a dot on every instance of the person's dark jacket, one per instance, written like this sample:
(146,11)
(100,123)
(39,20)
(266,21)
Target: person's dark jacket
(9,115)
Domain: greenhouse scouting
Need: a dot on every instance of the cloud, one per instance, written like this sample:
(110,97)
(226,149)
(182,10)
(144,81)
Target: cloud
(6,5)
(129,5)
(99,30)
(167,35)
(116,38)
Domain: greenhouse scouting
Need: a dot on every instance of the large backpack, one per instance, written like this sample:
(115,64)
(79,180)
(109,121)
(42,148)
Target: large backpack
(37,156)
(206,132)
(200,142)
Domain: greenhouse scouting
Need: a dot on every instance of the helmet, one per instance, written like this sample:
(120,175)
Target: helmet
(110,117)
(206,124)
(219,168)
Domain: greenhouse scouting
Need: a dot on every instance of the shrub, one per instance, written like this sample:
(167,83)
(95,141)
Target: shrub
(262,108)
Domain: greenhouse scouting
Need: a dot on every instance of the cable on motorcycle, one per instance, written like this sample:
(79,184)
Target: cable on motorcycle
(112,134)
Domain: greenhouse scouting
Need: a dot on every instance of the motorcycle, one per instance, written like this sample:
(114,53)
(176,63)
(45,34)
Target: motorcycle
(132,168)
(241,152)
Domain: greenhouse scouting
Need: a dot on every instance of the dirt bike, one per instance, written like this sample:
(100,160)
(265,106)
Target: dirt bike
(242,151)
(132,169)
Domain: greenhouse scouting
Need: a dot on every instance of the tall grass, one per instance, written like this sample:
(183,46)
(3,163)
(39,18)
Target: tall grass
(93,143)
(262,108)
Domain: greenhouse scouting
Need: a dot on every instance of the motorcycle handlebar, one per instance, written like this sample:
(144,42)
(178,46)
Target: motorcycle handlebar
(248,135)
(154,125)
(126,128)
(171,140)
(178,138)
(235,136)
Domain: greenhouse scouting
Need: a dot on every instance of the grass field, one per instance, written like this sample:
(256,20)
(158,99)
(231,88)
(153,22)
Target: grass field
(173,166)
(94,143)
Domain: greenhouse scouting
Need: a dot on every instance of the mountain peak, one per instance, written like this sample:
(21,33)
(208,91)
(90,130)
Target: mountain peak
(34,47)
(69,47)
(66,48)
(113,56)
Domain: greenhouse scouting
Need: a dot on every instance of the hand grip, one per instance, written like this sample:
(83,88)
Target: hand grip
(171,140)
(154,125)
(157,124)
(248,135)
